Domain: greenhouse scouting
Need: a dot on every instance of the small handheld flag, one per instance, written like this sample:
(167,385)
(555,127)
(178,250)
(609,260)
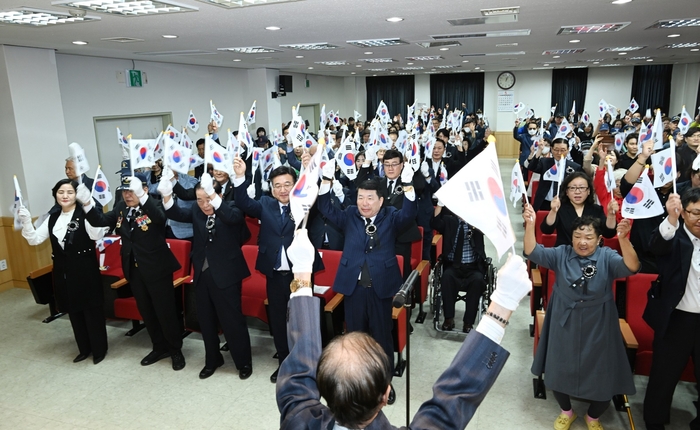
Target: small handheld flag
(517,184)
(192,122)
(141,153)
(634,106)
(684,121)
(100,188)
(17,204)
(642,200)
(251,114)
(77,153)
(216,115)
(121,139)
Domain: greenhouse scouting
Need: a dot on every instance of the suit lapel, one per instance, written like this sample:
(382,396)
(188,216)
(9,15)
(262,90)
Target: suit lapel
(686,249)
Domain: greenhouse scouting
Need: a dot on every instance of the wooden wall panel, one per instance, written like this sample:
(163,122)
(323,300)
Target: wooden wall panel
(506,146)
(21,257)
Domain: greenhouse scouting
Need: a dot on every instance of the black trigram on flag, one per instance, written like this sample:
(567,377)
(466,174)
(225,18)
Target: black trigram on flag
(502,228)
(474,191)
(629,210)
(649,203)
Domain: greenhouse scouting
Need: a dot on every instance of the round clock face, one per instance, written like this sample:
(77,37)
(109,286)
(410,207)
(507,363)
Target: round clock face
(506,80)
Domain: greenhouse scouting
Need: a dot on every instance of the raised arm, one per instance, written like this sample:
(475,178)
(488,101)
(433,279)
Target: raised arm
(629,255)
(240,190)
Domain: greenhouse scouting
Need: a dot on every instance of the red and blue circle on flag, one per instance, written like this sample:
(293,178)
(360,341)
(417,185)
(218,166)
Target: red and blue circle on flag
(143,152)
(298,190)
(100,186)
(497,196)
(635,196)
(217,157)
(668,166)
(177,156)
(349,159)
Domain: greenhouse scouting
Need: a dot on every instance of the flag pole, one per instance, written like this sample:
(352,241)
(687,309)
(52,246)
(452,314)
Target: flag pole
(93,182)
(672,144)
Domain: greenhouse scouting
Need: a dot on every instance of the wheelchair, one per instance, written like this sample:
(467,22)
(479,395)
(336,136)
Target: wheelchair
(435,285)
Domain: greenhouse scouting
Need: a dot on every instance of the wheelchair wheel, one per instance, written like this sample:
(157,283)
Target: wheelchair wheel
(435,293)
(485,299)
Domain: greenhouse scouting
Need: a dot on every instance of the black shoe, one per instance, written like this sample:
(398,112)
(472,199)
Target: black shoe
(467,328)
(392,396)
(273,377)
(80,358)
(208,371)
(449,324)
(153,357)
(246,371)
(96,359)
(179,361)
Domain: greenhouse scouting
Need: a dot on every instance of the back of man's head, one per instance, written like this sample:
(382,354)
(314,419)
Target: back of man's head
(353,376)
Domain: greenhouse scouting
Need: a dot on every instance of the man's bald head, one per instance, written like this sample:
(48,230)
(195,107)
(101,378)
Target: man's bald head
(353,376)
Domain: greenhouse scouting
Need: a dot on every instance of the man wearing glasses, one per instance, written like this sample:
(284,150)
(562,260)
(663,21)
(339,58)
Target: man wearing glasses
(276,234)
(548,189)
(392,188)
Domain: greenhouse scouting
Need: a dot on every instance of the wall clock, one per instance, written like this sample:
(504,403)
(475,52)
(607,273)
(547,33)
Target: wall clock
(506,80)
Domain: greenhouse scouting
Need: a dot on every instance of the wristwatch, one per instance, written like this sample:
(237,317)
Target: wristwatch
(297,283)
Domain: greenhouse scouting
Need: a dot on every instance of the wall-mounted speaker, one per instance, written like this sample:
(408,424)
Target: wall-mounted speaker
(285,84)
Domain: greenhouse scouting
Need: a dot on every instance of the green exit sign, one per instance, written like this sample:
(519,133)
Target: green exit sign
(134,78)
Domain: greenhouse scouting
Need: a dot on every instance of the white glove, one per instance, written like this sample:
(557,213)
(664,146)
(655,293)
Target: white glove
(165,187)
(136,186)
(24,216)
(512,283)
(370,156)
(251,191)
(440,203)
(338,190)
(301,252)
(328,170)
(424,169)
(407,174)
(265,186)
(82,194)
(168,175)
(207,183)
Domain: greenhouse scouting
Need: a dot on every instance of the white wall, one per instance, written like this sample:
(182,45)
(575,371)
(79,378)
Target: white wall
(684,88)
(328,90)
(532,87)
(422,89)
(614,84)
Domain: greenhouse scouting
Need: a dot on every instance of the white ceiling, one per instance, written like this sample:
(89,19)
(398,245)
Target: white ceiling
(338,21)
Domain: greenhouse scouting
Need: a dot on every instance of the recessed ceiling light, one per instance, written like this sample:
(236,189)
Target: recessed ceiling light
(311,68)
(236,60)
(621,1)
(501,11)
(444,49)
(546,64)
(695,50)
(477,68)
(250,50)
(674,35)
(169,36)
(465,61)
(79,42)
(128,8)
(377,60)
(623,53)
(333,63)
(596,62)
(556,56)
(394,19)
(410,64)
(593,28)
(424,58)
(374,75)
(299,56)
(676,23)
(574,41)
(234,4)
(369,53)
(650,59)
(353,73)
(272,28)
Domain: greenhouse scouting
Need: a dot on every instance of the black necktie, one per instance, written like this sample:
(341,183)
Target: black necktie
(365,277)
(390,189)
(459,251)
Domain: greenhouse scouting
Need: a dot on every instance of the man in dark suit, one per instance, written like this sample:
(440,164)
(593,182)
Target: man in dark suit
(673,309)
(355,399)
(199,170)
(82,179)
(463,265)
(546,190)
(276,234)
(392,191)
(147,262)
(324,234)
(219,269)
(369,274)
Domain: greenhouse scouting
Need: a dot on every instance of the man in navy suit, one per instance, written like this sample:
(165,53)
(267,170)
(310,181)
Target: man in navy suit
(355,399)
(548,189)
(369,274)
(219,270)
(276,234)
(673,309)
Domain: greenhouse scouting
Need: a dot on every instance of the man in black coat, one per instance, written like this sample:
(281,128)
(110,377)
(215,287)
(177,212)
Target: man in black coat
(219,269)
(147,262)
(673,307)
(538,164)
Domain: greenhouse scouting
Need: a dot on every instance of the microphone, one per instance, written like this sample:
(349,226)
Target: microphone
(405,290)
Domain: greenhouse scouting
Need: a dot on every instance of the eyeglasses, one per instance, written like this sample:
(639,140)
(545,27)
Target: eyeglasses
(391,166)
(693,214)
(285,186)
(577,189)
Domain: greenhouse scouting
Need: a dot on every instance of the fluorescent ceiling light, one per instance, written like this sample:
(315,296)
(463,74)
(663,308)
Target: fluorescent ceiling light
(250,50)
(500,11)
(575,67)
(592,60)
(480,20)
(332,63)
(168,36)
(369,53)
(621,1)
(574,41)
(674,35)
(680,45)
(373,43)
(450,66)
(445,49)
(502,45)
(621,48)
(593,28)
(234,4)
(121,39)
(79,42)
(610,65)
(676,23)
(38,17)
(492,54)
(638,58)
(425,58)
(563,51)
(394,19)
(272,28)
(310,46)
(299,56)
(311,68)
(376,70)
(445,43)
(353,73)
(128,8)
(181,52)
(541,68)
(551,62)
(501,33)
(377,60)
(236,60)
(695,50)
(412,68)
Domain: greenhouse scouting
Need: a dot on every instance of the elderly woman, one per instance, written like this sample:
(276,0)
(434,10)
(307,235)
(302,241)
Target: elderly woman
(575,200)
(76,273)
(581,352)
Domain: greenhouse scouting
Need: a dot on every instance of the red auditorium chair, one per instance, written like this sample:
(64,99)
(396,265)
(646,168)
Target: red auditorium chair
(254,290)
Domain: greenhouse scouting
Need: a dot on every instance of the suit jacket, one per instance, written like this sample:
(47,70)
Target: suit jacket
(147,247)
(456,394)
(273,233)
(541,165)
(447,224)
(409,233)
(223,253)
(673,260)
(321,227)
(382,262)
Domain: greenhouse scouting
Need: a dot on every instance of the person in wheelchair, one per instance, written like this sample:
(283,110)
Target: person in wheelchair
(464,265)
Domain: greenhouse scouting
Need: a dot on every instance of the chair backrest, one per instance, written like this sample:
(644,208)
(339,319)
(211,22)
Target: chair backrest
(113,259)
(544,239)
(612,243)
(637,287)
(254,227)
(331,261)
(417,248)
(253,288)
(181,250)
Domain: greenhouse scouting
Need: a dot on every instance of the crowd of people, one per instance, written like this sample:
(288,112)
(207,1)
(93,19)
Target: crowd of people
(372,216)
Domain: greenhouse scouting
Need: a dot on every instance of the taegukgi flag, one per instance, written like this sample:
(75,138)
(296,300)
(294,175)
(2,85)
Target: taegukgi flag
(141,153)
(517,184)
(251,114)
(192,122)
(216,115)
(80,162)
(218,156)
(305,191)
(100,188)
(176,156)
(475,194)
(642,201)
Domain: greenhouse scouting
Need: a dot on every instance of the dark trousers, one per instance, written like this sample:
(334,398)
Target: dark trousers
(156,303)
(366,312)
(404,249)
(277,298)
(222,305)
(465,277)
(595,409)
(90,331)
(671,353)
